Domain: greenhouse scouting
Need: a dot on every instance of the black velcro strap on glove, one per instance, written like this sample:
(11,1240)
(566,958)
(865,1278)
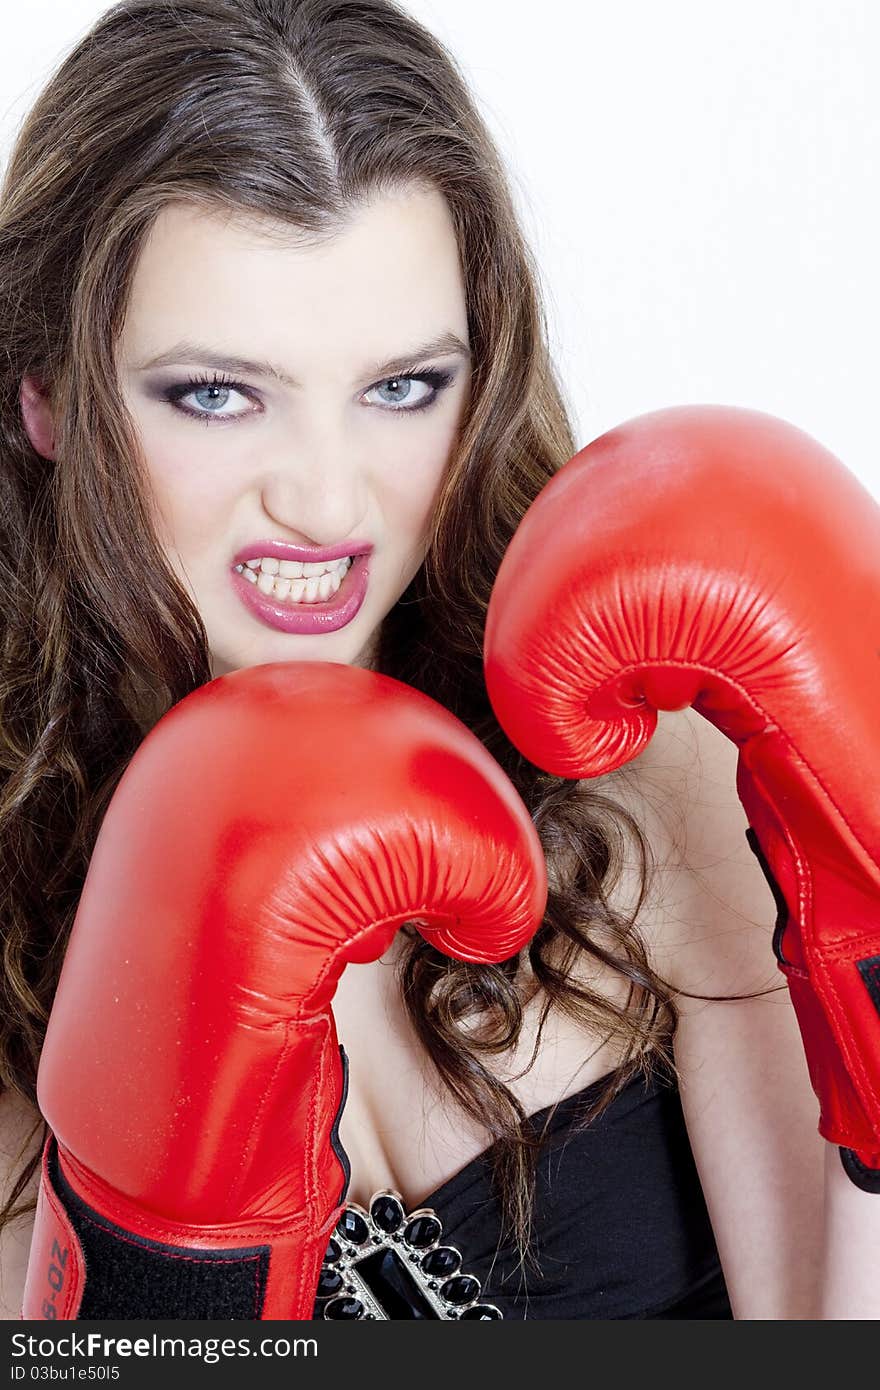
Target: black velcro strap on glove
(130,1276)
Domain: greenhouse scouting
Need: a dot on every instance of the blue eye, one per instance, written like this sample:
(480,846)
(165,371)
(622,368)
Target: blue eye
(216,389)
(401,388)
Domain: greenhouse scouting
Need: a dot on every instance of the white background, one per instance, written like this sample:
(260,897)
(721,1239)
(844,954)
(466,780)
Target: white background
(699,180)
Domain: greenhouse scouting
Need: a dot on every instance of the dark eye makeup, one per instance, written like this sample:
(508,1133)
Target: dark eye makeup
(434,377)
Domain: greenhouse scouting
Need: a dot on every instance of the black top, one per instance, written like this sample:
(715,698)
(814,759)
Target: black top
(621,1227)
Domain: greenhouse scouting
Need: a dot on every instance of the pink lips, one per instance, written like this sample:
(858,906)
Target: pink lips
(310,554)
(324,616)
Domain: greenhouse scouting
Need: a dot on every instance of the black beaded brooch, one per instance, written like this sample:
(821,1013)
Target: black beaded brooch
(387,1263)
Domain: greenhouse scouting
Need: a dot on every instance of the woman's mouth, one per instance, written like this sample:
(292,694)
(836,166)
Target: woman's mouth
(297,597)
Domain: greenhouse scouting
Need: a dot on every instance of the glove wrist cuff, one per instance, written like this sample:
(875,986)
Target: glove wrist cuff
(84,1264)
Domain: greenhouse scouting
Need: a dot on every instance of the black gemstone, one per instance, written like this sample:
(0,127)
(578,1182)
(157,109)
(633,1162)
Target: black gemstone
(441,1262)
(484,1312)
(344,1308)
(388,1279)
(387,1213)
(352,1226)
(332,1253)
(461,1289)
(422,1231)
(329,1283)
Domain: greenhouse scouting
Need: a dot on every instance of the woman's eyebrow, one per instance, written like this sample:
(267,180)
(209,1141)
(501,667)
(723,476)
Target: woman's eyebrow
(188,351)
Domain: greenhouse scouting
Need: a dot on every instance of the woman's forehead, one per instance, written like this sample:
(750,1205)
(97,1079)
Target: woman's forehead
(393,270)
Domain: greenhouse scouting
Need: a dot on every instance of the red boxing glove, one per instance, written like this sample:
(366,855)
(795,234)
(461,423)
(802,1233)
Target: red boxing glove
(275,825)
(720,558)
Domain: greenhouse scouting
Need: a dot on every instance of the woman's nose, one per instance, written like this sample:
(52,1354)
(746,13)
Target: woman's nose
(317,489)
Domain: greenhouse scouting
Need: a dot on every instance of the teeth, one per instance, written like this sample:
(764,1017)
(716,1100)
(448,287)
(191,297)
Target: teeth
(315,587)
(294,569)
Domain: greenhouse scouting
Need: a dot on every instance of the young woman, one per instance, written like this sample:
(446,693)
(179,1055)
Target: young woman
(262,285)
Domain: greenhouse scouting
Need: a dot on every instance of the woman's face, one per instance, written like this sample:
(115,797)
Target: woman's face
(321,445)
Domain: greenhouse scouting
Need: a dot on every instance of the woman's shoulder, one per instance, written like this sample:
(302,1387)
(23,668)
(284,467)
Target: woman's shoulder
(21,1131)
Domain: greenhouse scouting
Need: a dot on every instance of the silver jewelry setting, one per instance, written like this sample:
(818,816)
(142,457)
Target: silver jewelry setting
(386,1263)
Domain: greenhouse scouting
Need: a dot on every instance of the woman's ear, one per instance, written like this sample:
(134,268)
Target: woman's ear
(37,416)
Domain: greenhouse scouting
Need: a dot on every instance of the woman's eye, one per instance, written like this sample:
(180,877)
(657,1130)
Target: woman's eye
(210,397)
(401,393)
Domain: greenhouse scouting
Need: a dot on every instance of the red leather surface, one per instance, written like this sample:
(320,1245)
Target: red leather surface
(721,558)
(277,824)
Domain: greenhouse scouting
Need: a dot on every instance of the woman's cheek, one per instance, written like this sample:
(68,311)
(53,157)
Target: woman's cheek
(188,486)
(417,473)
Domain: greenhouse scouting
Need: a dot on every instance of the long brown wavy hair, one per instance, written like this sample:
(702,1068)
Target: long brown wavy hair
(299,110)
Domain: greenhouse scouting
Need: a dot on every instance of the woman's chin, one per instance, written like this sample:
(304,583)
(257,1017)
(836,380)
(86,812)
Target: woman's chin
(365,656)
